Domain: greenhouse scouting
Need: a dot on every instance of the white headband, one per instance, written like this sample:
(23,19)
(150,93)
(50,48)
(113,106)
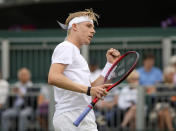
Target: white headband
(79,20)
(75,20)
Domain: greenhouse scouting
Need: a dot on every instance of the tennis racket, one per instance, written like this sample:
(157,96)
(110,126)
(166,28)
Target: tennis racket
(117,73)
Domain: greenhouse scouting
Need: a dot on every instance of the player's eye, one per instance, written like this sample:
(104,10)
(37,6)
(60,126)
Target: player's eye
(89,25)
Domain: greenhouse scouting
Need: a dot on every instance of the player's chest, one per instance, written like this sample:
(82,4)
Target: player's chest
(79,62)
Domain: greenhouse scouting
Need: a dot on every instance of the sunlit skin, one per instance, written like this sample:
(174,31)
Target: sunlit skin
(81,34)
(86,31)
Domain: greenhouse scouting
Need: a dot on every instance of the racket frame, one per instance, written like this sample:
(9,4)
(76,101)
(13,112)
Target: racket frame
(95,100)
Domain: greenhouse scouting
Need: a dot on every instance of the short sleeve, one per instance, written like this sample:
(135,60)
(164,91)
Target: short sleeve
(63,54)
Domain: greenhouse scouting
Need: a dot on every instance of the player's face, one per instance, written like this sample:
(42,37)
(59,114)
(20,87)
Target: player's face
(86,32)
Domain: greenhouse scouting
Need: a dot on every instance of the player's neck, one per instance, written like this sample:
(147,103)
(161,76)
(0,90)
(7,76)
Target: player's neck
(74,41)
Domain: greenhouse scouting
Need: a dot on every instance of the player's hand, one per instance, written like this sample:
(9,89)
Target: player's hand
(99,91)
(112,55)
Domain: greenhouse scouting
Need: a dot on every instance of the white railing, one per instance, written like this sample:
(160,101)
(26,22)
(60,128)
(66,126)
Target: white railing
(165,45)
(142,113)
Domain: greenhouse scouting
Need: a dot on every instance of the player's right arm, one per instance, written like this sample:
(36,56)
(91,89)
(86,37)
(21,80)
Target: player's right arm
(112,55)
(58,79)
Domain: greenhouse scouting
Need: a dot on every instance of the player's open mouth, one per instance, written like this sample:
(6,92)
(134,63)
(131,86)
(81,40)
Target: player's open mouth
(90,37)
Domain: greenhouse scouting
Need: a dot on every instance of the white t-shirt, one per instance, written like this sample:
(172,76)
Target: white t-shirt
(77,71)
(127,97)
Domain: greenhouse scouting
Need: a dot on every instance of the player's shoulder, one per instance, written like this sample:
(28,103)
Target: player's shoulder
(64,46)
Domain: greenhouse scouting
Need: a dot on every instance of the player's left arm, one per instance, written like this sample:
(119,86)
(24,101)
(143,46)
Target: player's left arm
(112,55)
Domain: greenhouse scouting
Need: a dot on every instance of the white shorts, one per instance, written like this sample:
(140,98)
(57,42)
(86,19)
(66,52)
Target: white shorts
(64,122)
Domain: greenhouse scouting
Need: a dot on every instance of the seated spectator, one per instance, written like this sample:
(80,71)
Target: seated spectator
(169,22)
(164,108)
(109,106)
(149,75)
(4,90)
(173,64)
(18,108)
(127,100)
(43,107)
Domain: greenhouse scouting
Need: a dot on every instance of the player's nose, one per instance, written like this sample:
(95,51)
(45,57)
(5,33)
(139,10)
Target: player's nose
(93,31)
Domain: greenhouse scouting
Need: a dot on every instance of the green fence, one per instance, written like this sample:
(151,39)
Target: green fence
(100,54)
(0,59)
(33,49)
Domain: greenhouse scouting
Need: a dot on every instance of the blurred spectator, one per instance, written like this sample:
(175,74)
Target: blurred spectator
(127,100)
(22,27)
(109,105)
(42,110)
(149,75)
(4,90)
(110,101)
(95,71)
(18,108)
(164,108)
(169,22)
(173,64)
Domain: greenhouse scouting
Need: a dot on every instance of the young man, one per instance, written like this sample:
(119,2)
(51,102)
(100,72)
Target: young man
(70,75)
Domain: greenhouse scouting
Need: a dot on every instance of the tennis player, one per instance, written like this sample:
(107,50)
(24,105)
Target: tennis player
(70,74)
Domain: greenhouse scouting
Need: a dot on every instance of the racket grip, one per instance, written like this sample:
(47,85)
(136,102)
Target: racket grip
(81,117)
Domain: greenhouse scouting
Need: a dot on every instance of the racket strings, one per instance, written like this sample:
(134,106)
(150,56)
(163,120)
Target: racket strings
(123,67)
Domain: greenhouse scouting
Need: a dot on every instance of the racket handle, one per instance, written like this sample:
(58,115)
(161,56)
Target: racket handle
(81,117)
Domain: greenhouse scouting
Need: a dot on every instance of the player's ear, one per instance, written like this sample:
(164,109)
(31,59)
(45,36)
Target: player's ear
(74,26)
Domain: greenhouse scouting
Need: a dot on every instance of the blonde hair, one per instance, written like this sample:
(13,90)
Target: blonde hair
(169,69)
(87,12)
(173,60)
(133,73)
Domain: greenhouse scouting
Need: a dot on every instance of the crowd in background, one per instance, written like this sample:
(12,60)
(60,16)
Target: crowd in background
(118,109)
(22,103)
(121,101)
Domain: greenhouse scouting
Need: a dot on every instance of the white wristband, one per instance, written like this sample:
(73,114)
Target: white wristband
(106,69)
